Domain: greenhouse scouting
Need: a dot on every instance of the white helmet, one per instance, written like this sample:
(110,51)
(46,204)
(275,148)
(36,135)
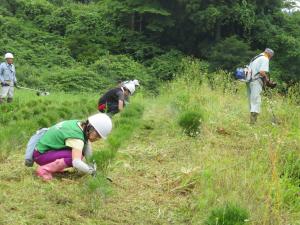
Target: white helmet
(102,124)
(136,82)
(130,86)
(8,56)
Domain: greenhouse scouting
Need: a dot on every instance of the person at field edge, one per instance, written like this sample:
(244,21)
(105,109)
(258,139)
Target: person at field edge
(136,85)
(7,78)
(113,101)
(259,66)
(135,82)
(66,143)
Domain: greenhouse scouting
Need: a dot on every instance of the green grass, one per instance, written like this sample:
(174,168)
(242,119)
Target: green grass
(230,214)
(190,121)
(124,125)
(29,112)
(161,176)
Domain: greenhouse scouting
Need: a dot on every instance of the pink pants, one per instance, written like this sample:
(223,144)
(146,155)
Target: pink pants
(52,155)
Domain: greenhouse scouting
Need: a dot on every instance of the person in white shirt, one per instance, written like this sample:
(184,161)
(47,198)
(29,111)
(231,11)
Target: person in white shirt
(259,66)
(7,78)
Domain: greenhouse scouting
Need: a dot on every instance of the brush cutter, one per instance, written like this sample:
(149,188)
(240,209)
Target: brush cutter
(38,92)
(274,118)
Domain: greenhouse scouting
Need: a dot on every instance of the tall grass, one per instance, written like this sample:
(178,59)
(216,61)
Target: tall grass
(123,129)
(20,119)
(255,166)
(124,126)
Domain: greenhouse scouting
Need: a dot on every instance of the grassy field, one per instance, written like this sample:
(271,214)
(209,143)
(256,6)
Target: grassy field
(161,175)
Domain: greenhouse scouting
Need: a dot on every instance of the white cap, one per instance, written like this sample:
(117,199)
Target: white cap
(8,56)
(269,51)
(130,87)
(136,82)
(102,124)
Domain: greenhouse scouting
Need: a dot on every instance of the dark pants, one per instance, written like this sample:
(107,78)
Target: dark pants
(109,108)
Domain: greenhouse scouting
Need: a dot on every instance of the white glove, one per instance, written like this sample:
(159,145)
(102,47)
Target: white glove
(83,167)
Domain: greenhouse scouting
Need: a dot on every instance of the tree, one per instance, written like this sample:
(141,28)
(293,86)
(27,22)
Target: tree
(230,53)
(141,15)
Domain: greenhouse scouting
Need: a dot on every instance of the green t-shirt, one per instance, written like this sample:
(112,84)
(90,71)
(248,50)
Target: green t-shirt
(55,137)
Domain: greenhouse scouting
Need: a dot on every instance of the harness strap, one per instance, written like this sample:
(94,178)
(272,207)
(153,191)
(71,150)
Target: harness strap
(252,60)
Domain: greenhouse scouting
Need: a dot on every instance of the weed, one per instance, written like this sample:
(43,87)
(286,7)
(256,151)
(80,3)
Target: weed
(191,121)
(125,125)
(291,167)
(230,214)
(100,185)
(294,94)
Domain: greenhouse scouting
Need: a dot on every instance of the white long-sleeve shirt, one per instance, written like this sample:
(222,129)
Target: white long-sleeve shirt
(7,72)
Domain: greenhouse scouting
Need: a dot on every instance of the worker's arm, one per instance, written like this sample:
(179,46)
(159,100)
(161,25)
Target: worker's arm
(1,73)
(121,105)
(79,164)
(77,146)
(263,74)
(87,150)
(121,98)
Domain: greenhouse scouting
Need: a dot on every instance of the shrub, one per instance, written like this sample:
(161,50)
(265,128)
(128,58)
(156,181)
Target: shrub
(228,215)
(166,66)
(58,21)
(140,49)
(32,9)
(229,54)
(91,35)
(75,79)
(294,93)
(289,47)
(121,67)
(191,121)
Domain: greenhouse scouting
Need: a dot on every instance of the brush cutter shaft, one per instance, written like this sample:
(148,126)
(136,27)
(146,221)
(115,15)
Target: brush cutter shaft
(27,88)
(39,93)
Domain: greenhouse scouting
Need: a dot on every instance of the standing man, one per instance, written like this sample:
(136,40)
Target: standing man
(113,101)
(7,78)
(259,67)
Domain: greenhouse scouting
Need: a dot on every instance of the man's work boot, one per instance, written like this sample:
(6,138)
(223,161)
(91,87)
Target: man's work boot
(46,171)
(9,100)
(253,117)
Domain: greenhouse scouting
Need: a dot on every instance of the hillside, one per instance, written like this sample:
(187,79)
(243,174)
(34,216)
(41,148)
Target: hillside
(182,151)
(89,45)
(162,176)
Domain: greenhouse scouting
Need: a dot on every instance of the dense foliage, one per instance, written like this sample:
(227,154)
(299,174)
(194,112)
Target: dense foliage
(57,42)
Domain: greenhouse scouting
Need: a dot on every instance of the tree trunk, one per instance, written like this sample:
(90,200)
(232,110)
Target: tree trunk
(133,21)
(218,31)
(141,23)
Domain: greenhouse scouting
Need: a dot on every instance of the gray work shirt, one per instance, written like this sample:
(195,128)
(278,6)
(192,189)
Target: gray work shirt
(7,72)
